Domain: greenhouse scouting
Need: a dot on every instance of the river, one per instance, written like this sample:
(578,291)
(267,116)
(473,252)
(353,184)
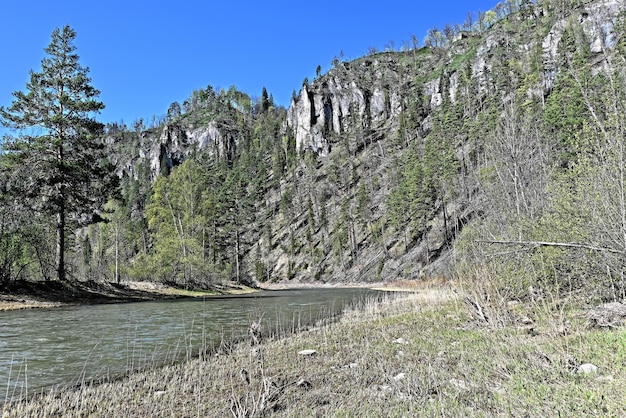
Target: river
(41,348)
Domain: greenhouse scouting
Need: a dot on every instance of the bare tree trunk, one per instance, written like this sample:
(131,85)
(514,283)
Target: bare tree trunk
(536,244)
(60,244)
(237,255)
(117,251)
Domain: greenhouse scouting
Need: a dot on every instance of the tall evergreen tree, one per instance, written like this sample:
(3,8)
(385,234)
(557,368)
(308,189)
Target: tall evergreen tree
(265,101)
(56,161)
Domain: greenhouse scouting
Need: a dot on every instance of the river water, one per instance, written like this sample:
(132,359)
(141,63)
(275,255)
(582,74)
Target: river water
(45,347)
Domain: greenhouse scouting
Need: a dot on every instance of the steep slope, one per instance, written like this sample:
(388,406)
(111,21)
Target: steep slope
(349,123)
(363,118)
(394,165)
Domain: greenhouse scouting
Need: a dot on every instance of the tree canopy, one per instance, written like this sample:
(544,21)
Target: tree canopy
(56,160)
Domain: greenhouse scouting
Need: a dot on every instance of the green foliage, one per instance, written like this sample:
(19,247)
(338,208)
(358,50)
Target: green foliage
(426,178)
(260,271)
(179,217)
(13,256)
(364,201)
(566,112)
(569,176)
(278,163)
(59,165)
(460,60)
(483,161)
(286,204)
(620,32)
(266,103)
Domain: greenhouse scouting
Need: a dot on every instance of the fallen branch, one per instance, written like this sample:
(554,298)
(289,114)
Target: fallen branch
(609,315)
(536,244)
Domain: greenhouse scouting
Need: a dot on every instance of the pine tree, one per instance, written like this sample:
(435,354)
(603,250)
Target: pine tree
(566,112)
(56,162)
(265,101)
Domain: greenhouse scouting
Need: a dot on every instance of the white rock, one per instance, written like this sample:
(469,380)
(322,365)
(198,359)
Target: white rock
(305,384)
(308,352)
(400,341)
(256,353)
(461,384)
(399,376)
(587,368)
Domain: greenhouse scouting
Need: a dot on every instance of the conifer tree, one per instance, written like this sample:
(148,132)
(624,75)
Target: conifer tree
(265,101)
(56,161)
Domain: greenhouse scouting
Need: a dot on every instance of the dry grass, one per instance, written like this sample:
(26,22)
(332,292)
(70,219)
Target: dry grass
(403,285)
(422,355)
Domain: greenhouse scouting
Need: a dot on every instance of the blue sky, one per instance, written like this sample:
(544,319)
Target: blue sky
(143,55)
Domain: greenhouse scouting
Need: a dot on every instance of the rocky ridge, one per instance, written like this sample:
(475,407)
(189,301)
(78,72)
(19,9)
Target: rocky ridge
(360,107)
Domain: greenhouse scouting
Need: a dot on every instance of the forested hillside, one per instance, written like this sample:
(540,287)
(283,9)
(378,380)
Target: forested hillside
(493,149)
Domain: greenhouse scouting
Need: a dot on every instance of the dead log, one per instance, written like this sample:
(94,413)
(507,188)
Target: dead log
(607,315)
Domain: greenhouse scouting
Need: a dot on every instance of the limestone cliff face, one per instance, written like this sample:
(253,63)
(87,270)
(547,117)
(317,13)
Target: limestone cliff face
(364,94)
(171,145)
(176,142)
(597,20)
(373,95)
(372,91)
(352,118)
(168,146)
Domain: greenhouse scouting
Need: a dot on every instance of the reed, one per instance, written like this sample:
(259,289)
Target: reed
(424,354)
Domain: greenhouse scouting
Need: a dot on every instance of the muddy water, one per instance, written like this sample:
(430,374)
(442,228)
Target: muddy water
(59,346)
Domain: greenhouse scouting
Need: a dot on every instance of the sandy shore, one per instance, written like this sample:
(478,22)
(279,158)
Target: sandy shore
(27,304)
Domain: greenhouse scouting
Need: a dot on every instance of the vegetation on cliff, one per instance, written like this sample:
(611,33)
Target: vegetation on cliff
(494,151)
(494,155)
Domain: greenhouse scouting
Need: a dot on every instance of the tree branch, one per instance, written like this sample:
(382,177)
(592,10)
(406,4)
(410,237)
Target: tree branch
(553,244)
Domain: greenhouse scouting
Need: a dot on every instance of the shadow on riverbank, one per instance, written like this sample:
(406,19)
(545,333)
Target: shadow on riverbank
(23,294)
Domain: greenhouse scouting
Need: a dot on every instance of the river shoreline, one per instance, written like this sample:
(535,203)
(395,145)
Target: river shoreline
(53,294)
(423,354)
(43,295)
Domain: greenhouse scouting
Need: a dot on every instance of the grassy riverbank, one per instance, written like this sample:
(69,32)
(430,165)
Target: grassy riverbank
(421,355)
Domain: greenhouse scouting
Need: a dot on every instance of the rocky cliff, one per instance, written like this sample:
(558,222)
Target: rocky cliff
(357,95)
(360,130)
(366,102)
(371,92)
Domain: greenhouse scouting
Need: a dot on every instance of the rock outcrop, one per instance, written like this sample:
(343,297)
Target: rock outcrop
(177,141)
(370,97)
(358,120)
(371,92)
(368,93)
